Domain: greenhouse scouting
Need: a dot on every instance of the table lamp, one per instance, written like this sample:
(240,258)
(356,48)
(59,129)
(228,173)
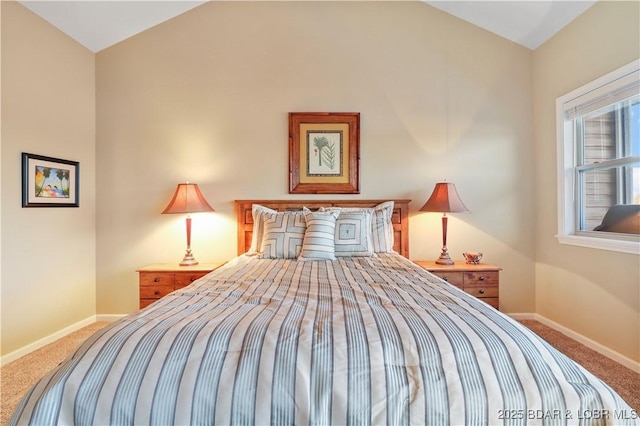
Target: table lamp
(188,199)
(444,199)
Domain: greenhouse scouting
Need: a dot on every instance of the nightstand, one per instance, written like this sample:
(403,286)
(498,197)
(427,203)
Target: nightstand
(160,279)
(481,281)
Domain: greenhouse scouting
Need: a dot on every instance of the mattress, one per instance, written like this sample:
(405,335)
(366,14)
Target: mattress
(358,340)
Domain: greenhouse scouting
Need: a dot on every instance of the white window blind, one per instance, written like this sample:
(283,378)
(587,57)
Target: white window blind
(615,91)
(599,162)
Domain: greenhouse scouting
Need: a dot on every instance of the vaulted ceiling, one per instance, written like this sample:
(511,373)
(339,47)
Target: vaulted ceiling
(100,24)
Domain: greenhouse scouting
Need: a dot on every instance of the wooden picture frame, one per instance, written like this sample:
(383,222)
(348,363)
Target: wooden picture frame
(324,153)
(49,182)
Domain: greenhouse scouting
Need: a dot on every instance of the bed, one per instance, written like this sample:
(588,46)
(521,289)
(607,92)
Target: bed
(295,333)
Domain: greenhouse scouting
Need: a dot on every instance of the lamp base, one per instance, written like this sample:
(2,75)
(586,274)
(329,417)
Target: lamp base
(188,259)
(444,258)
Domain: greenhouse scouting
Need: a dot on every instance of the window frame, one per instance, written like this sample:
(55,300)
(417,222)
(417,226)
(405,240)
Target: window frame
(568,211)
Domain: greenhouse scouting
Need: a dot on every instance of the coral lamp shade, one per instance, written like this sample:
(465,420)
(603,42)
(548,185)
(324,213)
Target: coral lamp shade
(444,199)
(187,199)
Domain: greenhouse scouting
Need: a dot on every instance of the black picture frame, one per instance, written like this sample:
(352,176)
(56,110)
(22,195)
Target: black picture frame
(49,181)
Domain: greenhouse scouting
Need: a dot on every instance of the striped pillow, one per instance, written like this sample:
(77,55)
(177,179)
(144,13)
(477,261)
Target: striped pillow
(319,237)
(353,236)
(283,235)
(382,227)
(257,211)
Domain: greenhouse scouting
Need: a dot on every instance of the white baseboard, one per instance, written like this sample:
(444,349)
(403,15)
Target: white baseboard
(609,353)
(109,318)
(12,356)
(524,316)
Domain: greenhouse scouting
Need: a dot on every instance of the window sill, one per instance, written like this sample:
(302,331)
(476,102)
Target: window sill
(631,247)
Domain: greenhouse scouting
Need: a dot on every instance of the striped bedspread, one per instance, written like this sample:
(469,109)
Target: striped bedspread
(355,341)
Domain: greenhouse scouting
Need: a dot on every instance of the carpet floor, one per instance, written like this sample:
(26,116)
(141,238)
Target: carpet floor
(622,379)
(18,376)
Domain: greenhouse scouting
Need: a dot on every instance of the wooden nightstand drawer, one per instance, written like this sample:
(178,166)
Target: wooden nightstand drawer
(183,280)
(481,292)
(486,278)
(481,281)
(453,278)
(155,291)
(493,301)
(156,281)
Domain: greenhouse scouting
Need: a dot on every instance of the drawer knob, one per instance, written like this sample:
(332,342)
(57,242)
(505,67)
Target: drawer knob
(445,278)
(156,280)
(481,278)
(156,293)
(192,279)
(481,291)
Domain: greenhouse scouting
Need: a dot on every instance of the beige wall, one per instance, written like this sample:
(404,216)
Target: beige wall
(205,96)
(48,108)
(592,292)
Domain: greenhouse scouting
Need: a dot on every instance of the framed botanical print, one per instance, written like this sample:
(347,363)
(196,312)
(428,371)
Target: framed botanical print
(324,152)
(49,182)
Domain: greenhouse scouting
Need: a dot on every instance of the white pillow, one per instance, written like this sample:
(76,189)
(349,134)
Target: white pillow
(319,241)
(382,227)
(257,211)
(283,235)
(353,234)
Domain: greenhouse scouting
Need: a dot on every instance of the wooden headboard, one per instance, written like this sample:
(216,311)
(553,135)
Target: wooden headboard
(400,219)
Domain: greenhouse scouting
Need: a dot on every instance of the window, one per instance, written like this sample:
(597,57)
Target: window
(599,163)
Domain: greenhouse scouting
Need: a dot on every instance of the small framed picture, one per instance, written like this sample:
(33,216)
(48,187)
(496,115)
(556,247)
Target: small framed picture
(49,182)
(324,152)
